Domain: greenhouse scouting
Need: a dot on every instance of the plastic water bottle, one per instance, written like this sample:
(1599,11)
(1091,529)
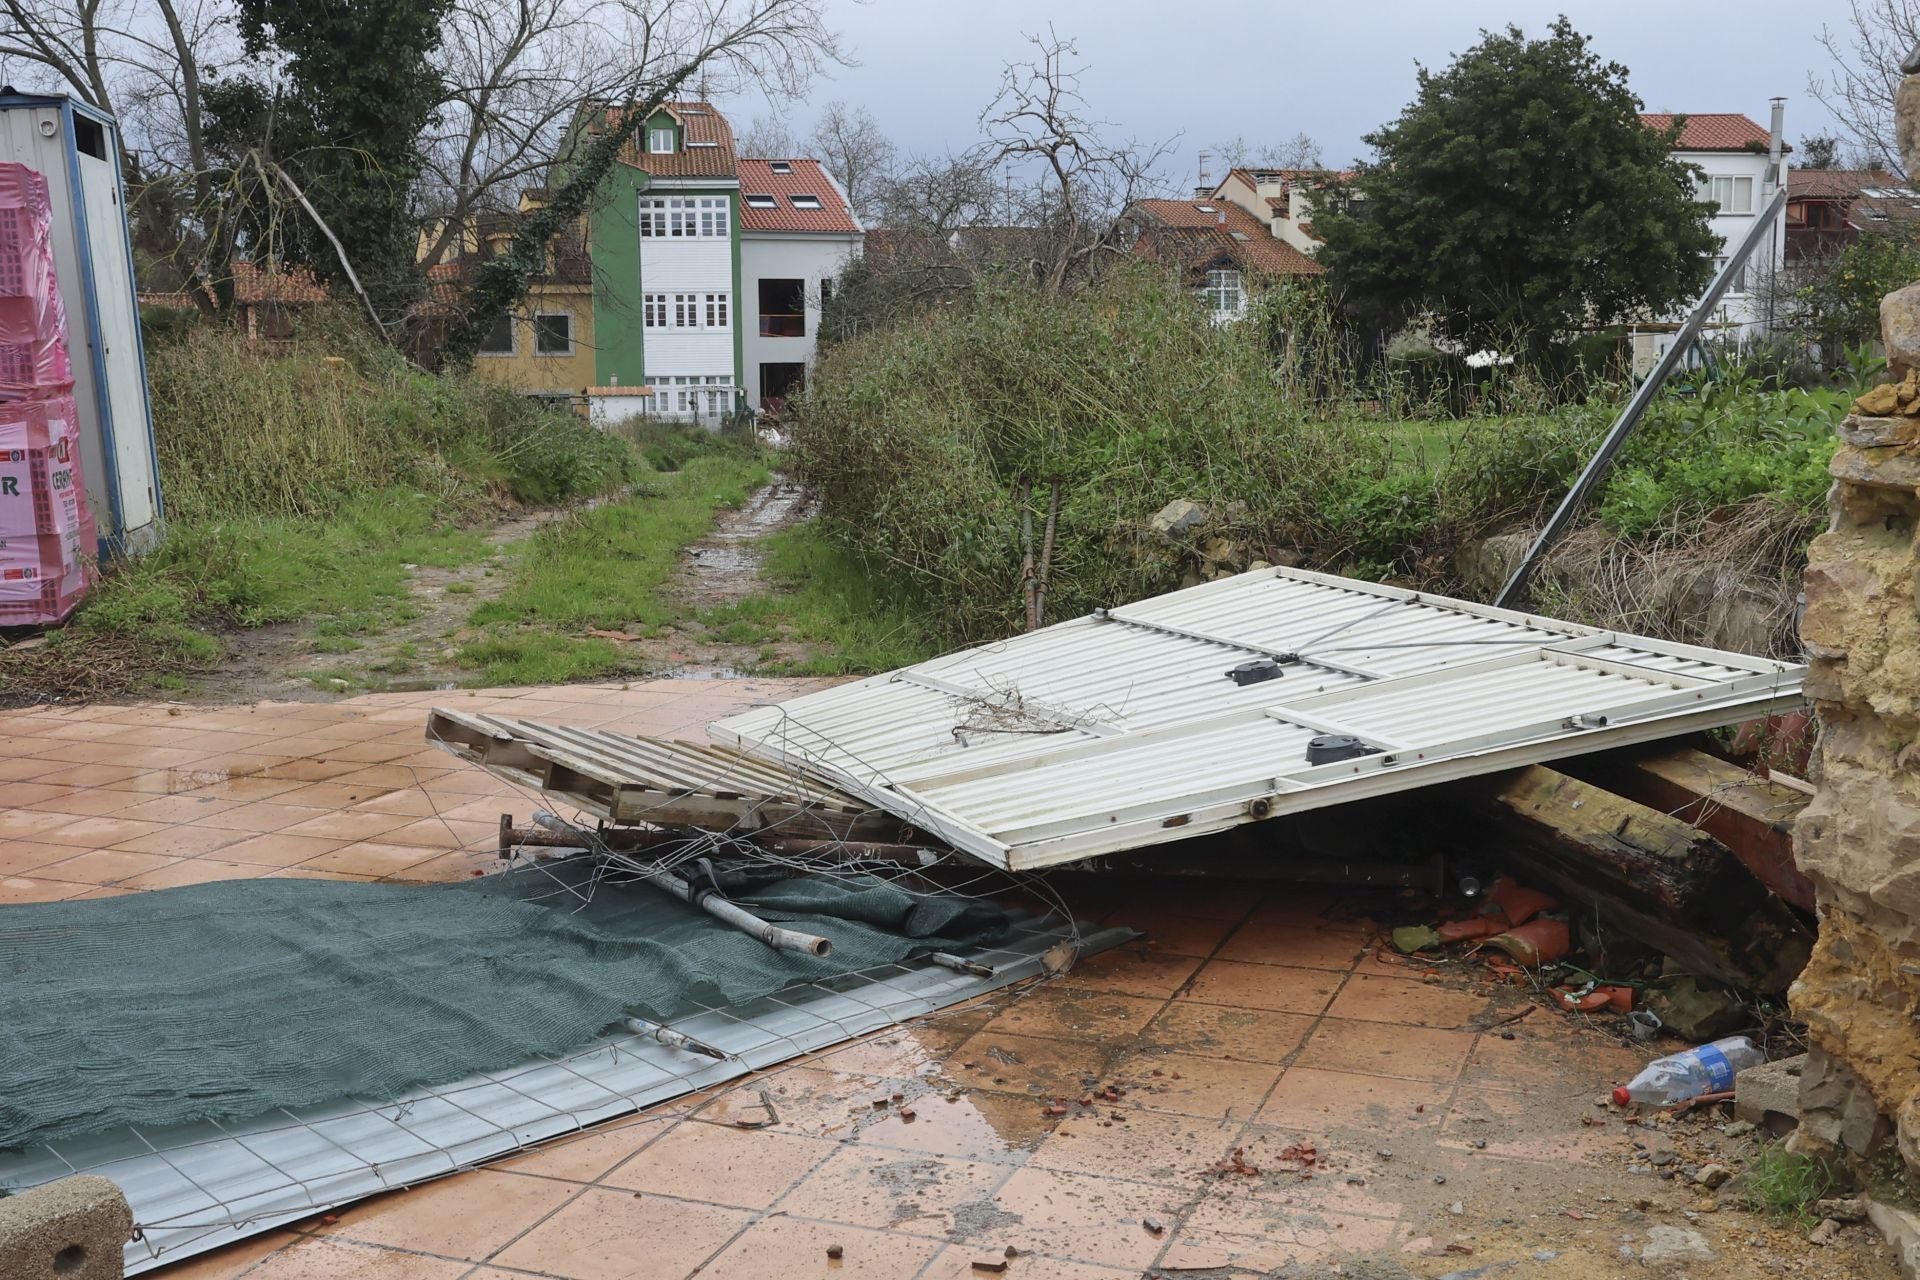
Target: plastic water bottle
(1707,1069)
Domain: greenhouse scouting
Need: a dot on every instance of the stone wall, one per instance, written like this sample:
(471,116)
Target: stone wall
(1859,841)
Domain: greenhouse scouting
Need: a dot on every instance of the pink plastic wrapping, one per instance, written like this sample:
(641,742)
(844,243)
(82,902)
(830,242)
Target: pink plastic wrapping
(34,362)
(47,534)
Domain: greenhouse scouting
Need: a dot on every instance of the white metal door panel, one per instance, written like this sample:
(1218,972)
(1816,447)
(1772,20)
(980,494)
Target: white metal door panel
(116,314)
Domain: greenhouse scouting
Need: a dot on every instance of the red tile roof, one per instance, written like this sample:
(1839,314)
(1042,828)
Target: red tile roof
(1836,184)
(806,178)
(1222,228)
(706,150)
(1709,131)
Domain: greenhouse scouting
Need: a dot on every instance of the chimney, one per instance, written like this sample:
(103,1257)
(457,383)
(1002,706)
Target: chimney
(1774,142)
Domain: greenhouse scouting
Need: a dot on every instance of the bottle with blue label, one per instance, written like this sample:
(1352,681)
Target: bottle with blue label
(1693,1074)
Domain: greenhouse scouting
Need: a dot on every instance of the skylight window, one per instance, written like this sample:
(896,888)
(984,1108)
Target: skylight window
(805,202)
(702,144)
(1206,208)
(781,166)
(1238,235)
(761,202)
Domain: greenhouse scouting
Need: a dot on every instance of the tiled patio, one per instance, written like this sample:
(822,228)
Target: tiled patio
(1254,1019)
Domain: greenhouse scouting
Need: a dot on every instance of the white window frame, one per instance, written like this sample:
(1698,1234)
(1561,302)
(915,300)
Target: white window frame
(686,311)
(660,141)
(653,218)
(513,340)
(715,311)
(1726,190)
(806,200)
(538,316)
(758,201)
(1224,284)
(653,311)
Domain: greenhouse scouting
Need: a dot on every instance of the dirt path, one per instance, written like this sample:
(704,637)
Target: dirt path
(417,652)
(723,568)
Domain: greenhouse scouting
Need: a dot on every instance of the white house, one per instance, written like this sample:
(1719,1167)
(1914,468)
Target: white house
(797,232)
(1742,168)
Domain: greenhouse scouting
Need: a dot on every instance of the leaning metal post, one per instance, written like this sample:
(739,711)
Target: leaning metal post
(1602,461)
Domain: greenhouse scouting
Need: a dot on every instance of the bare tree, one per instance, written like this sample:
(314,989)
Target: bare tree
(767,138)
(1079,182)
(1298,152)
(517,72)
(939,195)
(848,141)
(1859,86)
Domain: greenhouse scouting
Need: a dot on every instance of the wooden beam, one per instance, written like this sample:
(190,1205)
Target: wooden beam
(1648,874)
(1753,816)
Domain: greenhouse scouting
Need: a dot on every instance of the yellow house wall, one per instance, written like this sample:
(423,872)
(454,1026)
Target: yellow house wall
(525,371)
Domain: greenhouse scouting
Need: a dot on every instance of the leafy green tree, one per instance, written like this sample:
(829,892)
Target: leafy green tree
(1519,199)
(325,149)
(1837,303)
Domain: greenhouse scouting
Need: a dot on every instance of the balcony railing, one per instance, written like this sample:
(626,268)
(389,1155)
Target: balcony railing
(783,325)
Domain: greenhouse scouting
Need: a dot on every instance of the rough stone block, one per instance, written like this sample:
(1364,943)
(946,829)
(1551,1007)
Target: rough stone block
(1768,1096)
(1902,1230)
(1900,325)
(74,1229)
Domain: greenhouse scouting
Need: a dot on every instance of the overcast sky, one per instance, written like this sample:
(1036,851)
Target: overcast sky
(1209,70)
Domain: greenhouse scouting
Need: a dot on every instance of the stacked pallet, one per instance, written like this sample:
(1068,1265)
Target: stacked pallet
(47,535)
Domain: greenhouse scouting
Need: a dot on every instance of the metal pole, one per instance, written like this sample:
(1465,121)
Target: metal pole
(1602,462)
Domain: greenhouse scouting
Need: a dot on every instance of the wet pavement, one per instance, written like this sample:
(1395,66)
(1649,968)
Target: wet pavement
(1256,1085)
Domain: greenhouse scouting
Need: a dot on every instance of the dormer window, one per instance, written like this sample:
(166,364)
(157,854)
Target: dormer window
(780,166)
(660,142)
(805,202)
(761,202)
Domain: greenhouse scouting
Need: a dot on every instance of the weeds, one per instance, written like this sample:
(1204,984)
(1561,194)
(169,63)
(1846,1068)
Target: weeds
(1784,1186)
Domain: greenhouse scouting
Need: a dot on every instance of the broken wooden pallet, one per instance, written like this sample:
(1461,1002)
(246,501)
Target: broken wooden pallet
(623,778)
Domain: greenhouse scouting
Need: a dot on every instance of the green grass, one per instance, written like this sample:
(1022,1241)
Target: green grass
(1784,1186)
(827,601)
(604,569)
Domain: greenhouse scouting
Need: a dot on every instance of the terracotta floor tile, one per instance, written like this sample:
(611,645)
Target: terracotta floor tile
(1327,912)
(194,871)
(357,825)
(323,1258)
(17,857)
(1062,1012)
(97,833)
(1313,1102)
(22,768)
(469,1215)
(178,808)
(809,1100)
(976,1125)
(366,858)
(1292,945)
(307,768)
(1383,1049)
(471,782)
(487,810)
(1295,1242)
(1131,970)
(440,867)
(1098,1220)
(1219,1031)
(408,804)
(395,777)
(91,775)
(107,891)
(585,1157)
(1381,1191)
(893,1190)
(297,873)
(20,794)
(1263,986)
(377,752)
(912,1050)
(956,1263)
(278,850)
(27,824)
(796,1250)
(15,890)
(720,1164)
(248,787)
(441,833)
(1193,1086)
(90,802)
(328,795)
(1414,1004)
(260,816)
(1543,1128)
(622,1235)
(1145,1146)
(182,841)
(1182,935)
(1560,1059)
(104,866)
(1041,1068)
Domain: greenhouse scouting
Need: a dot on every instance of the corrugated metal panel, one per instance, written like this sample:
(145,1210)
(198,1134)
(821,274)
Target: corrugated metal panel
(1123,728)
